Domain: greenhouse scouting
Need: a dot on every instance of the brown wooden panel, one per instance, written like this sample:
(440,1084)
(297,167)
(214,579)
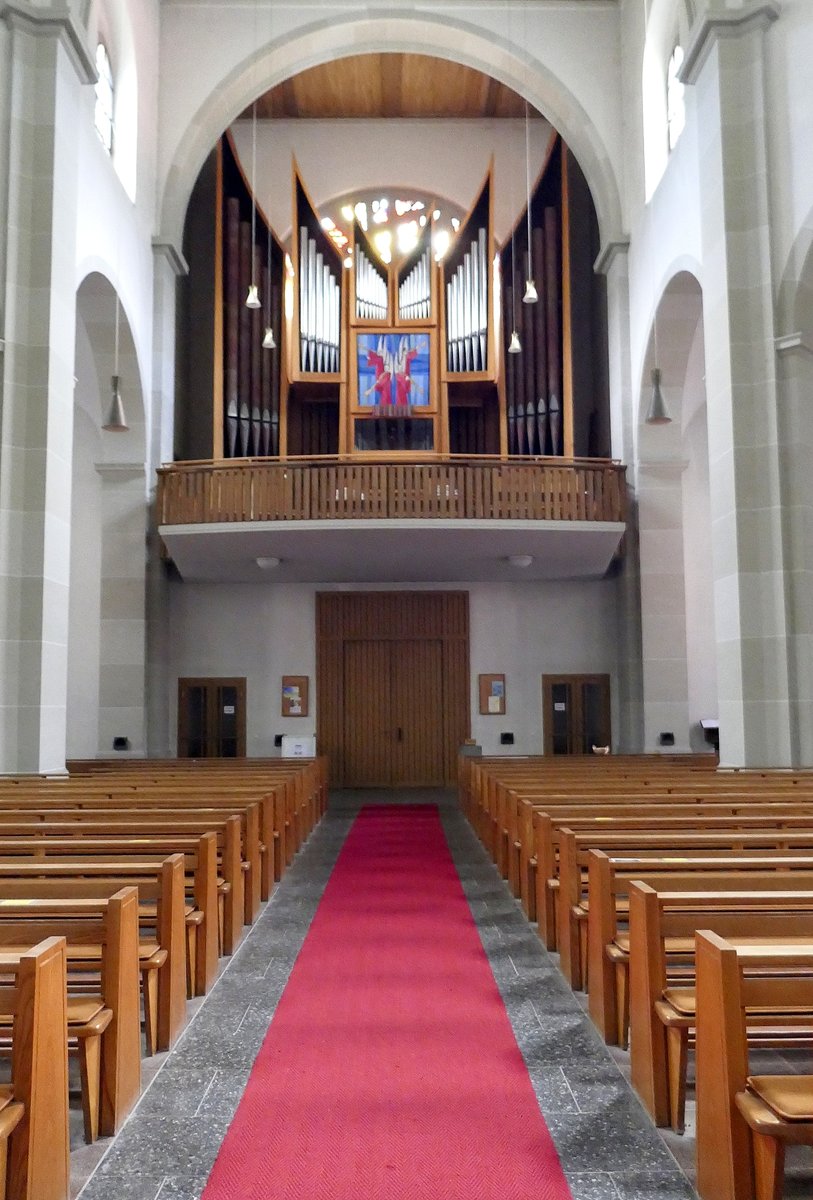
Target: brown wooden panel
(425,633)
(368,734)
(389,85)
(416,672)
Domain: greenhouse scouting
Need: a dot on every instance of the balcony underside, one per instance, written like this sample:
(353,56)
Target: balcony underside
(421,550)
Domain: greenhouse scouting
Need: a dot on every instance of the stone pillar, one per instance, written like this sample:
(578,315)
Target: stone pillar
(726,63)
(168,265)
(122,632)
(47,65)
(663,594)
(613,263)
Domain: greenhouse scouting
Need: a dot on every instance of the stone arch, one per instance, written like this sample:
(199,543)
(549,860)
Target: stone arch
(106,627)
(677,579)
(456,40)
(794,325)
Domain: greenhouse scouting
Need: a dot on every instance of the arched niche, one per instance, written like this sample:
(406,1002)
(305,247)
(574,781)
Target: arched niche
(106,626)
(672,485)
(795,435)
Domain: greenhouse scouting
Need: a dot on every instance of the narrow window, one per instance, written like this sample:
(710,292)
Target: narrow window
(103,116)
(675,100)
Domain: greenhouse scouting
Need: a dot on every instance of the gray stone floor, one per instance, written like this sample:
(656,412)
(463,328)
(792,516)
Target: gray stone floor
(607,1145)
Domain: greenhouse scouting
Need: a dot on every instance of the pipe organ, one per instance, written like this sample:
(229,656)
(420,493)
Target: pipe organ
(411,357)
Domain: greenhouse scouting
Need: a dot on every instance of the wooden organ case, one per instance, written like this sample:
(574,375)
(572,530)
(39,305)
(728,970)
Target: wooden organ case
(408,359)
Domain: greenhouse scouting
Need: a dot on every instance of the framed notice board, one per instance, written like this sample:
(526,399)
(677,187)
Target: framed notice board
(295,695)
(492,695)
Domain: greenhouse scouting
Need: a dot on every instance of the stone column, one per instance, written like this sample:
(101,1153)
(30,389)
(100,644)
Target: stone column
(168,265)
(663,595)
(47,65)
(613,263)
(726,63)
(122,632)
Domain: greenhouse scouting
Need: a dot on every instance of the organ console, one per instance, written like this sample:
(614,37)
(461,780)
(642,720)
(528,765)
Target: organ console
(408,357)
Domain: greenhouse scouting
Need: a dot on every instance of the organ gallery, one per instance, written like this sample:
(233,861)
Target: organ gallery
(478,342)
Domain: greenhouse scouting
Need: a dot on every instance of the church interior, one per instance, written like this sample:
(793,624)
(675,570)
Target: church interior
(406,513)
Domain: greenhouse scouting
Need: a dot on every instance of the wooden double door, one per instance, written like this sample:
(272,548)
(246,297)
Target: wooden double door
(392,672)
(393,713)
(211,718)
(576,713)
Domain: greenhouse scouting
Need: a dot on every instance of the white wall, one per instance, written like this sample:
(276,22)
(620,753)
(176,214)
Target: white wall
(265,631)
(446,159)
(86,563)
(701,655)
(564,58)
(113,234)
(525,631)
(790,134)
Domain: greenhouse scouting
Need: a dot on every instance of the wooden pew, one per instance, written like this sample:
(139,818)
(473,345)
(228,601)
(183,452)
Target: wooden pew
(101,936)
(145,832)
(533,843)
(604,819)
(35,1000)
(201,873)
(740,1136)
(257,817)
(573,860)
(160,887)
(610,885)
(663,926)
(170,836)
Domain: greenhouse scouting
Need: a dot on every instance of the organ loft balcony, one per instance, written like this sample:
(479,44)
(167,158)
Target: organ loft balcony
(380,417)
(455,519)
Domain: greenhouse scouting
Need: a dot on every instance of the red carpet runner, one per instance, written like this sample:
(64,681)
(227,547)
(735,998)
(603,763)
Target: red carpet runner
(390,1070)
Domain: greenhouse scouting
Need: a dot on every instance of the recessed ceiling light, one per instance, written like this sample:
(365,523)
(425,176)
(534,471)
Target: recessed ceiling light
(267,563)
(520,560)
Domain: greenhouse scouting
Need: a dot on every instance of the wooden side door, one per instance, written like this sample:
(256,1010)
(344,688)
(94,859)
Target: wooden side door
(211,718)
(367,714)
(575,713)
(417,709)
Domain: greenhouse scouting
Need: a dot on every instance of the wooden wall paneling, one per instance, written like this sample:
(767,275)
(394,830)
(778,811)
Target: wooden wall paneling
(552,293)
(232,322)
(456,692)
(527,361)
(567,326)
(368,734)
(254,445)
(218,329)
(416,691)
(244,344)
(540,345)
(267,364)
(392,620)
(275,359)
(329,683)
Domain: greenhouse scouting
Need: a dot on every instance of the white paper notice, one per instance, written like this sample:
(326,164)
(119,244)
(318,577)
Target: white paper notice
(494,704)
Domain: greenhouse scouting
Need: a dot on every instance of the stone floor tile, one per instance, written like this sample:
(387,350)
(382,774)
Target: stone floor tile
(608,1147)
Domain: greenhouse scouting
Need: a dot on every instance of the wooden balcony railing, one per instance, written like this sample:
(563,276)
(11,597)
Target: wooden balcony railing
(333,490)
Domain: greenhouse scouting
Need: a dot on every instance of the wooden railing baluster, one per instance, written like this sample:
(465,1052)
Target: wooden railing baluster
(201,493)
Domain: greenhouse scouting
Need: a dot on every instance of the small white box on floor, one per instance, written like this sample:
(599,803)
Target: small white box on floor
(298,747)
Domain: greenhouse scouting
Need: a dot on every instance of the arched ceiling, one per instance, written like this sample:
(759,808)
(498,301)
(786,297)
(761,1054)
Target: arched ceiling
(390,85)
